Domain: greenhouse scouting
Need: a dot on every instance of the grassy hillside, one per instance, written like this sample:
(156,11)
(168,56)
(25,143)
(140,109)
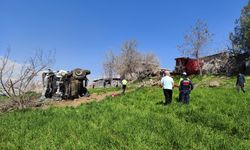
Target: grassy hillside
(103,90)
(217,118)
(3,99)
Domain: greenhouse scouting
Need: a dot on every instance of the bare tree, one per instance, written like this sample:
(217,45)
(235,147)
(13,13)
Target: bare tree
(196,41)
(129,60)
(6,73)
(151,62)
(148,66)
(109,65)
(130,63)
(15,78)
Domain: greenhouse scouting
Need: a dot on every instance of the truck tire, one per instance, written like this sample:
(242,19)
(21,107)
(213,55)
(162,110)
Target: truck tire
(79,74)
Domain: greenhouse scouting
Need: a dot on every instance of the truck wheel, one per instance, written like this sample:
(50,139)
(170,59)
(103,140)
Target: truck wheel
(79,74)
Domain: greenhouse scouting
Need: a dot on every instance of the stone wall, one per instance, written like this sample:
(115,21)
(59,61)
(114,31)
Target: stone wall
(221,63)
(216,64)
(100,83)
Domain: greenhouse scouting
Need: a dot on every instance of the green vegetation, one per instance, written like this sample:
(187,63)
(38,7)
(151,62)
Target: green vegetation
(30,95)
(217,118)
(109,89)
(104,90)
(3,99)
(241,36)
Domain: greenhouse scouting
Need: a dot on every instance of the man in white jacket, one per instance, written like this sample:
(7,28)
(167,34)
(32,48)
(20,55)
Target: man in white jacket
(167,83)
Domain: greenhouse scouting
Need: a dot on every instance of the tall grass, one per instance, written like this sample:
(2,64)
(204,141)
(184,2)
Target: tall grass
(104,90)
(217,118)
(3,99)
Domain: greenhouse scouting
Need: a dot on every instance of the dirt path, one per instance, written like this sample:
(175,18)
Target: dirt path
(82,100)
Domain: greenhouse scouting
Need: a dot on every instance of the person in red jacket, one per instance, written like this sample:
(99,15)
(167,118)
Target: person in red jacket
(186,86)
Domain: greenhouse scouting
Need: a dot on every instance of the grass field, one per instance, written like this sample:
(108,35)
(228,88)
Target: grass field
(103,90)
(109,89)
(3,99)
(217,118)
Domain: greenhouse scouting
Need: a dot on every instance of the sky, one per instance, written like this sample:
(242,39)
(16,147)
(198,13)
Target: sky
(82,31)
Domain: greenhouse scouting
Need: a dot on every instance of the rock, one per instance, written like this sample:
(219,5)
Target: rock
(149,83)
(214,84)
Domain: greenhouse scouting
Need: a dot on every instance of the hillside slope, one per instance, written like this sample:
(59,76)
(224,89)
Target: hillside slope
(216,118)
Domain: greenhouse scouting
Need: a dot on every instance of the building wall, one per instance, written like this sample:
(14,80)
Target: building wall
(213,64)
(221,63)
(100,83)
(216,64)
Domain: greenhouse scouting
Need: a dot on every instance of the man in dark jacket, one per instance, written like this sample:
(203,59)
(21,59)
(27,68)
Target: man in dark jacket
(240,83)
(185,88)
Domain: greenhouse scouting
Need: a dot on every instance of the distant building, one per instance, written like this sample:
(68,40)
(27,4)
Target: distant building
(216,64)
(221,63)
(106,82)
(185,64)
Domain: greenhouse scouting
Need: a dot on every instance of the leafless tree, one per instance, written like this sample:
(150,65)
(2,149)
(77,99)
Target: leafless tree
(151,62)
(196,41)
(148,66)
(15,78)
(109,65)
(130,63)
(6,73)
(129,60)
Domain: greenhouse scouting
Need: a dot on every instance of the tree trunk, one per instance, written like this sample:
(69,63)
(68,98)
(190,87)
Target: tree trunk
(197,55)
(199,66)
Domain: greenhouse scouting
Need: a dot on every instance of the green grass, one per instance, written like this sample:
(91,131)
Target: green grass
(217,118)
(108,89)
(3,99)
(104,90)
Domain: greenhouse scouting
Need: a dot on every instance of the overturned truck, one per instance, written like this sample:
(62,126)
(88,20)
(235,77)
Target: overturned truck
(65,84)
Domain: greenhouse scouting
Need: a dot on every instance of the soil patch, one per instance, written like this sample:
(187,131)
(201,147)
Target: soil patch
(82,100)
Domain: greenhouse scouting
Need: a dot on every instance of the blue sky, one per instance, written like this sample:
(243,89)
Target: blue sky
(81,31)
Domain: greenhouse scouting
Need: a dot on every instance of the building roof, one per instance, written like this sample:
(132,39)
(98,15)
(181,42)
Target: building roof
(213,55)
(185,58)
(106,79)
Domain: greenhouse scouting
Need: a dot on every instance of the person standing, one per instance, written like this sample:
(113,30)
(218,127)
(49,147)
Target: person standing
(167,84)
(240,83)
(104,84)
(185,88)
(124,85)
(182,77)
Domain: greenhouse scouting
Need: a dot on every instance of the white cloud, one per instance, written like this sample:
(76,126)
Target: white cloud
(36,85)
(9,66)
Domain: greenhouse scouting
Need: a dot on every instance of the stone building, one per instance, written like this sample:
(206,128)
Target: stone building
(216,64)
(106,82)
(221,63)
